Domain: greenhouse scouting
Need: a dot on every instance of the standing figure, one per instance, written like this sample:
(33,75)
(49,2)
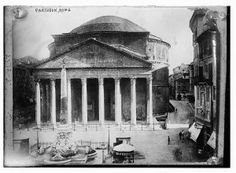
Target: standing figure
(180,135)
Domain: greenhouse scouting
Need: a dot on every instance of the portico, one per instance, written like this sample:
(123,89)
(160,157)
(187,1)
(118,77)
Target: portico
(87,108)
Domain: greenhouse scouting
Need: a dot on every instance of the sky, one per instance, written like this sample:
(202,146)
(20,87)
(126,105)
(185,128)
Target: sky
(33,33)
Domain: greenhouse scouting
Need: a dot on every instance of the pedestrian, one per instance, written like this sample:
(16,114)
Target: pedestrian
(180,135)
(176,110)
(168,140)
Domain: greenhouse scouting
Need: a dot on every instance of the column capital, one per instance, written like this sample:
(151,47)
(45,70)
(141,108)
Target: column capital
(83,80)
(101,81)
(149,79)
(37,80)
(117,79)
(133,80)
(52,82)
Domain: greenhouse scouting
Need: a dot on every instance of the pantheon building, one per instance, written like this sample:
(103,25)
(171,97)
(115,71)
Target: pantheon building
(108,70)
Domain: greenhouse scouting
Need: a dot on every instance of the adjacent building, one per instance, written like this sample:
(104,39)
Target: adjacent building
(180,82)
(206,49)
(23,91)
(108,70)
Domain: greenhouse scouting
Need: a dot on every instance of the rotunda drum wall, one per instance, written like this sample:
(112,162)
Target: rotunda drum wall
(157,51)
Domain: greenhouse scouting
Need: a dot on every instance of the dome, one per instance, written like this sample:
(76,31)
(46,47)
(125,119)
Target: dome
(108,24)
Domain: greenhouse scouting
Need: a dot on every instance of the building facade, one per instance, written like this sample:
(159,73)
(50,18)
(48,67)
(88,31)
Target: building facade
(206,46)
(108,70)
(171,87)
(180,82)
(23,91)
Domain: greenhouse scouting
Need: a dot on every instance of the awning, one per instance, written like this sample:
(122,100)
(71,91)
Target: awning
(195,130)
(124,148)
(124,153)
(212,140)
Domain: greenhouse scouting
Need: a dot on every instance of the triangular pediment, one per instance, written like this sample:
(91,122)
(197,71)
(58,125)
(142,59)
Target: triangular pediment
(94,54)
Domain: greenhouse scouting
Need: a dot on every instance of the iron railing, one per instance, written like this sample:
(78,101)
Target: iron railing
(140,126)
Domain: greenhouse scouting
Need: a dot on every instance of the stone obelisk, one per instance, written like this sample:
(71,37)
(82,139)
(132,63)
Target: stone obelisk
(64,98)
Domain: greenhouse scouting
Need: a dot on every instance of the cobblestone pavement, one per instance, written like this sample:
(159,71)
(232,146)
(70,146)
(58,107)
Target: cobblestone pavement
(152,144)
(184,113)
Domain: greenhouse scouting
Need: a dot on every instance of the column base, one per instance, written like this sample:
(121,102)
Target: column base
(69,123)
(65,127)
(133,122)
(54,126)
(118,123)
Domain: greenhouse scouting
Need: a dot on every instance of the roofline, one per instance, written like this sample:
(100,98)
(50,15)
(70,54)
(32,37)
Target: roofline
(167,44)
(82,43)
(39,69)
(197,12)
(92,22)
(97,32)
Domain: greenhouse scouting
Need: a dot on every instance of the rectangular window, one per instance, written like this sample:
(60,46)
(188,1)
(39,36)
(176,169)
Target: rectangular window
(206,71)
(195,71)
(204,47)
(209,44)
(198,93)
(200,72)
(206,68)
(202,95)
(207,94)
(214,93)
(210,73)
(201,50)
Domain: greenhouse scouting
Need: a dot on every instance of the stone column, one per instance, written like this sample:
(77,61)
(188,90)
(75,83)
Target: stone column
(69,101)
(48,101)
(101,101)
(84,101)
(38,105)
(53,103)
(149,101)
(117,101)
(133,100)
(64,98)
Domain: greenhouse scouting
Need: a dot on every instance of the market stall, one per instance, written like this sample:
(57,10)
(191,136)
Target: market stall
(123,153)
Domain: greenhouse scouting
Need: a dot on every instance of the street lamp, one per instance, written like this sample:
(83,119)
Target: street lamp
(103,159)
(37,138)
(108,146)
